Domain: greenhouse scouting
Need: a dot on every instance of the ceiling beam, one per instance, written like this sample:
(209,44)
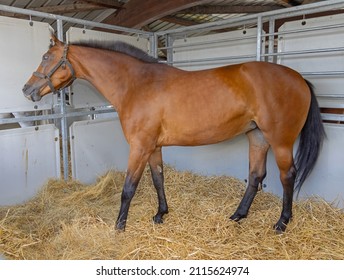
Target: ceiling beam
(69,8)
(137,13)
(106,3)
(227,9)
(179,21)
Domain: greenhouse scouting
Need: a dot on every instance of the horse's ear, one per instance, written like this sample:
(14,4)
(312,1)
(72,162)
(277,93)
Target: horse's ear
(54,41)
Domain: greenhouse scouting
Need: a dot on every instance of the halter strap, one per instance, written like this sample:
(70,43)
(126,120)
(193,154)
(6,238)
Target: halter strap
(62,62)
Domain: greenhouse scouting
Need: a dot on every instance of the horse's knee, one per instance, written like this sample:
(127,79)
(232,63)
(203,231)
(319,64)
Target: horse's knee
(256,178)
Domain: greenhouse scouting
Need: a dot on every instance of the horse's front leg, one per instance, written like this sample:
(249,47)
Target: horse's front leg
(138,158)
(156,167)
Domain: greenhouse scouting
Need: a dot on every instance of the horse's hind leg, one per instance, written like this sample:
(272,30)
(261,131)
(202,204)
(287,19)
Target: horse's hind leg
(156,167)
(285,162)
(258,148)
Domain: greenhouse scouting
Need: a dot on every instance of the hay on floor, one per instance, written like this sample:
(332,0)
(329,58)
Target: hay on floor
(68,220)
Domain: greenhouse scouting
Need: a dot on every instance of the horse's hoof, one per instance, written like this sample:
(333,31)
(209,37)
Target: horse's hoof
(158,219)
(120,226)
(280,228)
(237,217)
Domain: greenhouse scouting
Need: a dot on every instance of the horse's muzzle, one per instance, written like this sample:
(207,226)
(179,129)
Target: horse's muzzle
(31,93)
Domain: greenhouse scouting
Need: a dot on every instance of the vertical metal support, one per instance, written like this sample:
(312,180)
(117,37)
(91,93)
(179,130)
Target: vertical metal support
(153,40)
(64,127)
(259,38)
(271,39)
(169,43)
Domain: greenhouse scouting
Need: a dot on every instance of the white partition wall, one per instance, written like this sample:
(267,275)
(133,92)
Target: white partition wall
(215,50)
(96,147)
(22,45)
(318,53)
(29,157)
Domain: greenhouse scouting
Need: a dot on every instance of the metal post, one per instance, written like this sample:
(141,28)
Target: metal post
(64,127)
(169,44)
(271,38)
(153,40)
(259,38)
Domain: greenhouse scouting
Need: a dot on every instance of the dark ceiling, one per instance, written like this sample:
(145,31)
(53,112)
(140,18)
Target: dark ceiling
(152,15)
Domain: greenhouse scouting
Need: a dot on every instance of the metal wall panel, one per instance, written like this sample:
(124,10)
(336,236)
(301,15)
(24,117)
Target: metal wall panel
(22,45)
(96,147)
(214,51)
(29,157)
(84,94)
(318,40)
(226,158)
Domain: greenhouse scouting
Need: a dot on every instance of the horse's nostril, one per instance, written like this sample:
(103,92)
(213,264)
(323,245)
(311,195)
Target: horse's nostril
(25,87)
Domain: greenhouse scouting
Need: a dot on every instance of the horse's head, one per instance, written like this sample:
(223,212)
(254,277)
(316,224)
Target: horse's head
(54,73)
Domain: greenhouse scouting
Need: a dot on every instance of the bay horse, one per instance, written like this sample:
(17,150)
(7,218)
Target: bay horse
(159,105)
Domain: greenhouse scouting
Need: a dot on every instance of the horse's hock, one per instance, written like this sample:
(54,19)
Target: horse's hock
(83,119)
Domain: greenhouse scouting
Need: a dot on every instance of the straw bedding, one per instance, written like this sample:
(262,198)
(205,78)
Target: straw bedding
(68,220)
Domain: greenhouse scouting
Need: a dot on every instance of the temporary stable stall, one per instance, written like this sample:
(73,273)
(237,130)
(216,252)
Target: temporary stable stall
(80,118)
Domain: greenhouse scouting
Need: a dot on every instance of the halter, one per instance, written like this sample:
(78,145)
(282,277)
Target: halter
(63,62)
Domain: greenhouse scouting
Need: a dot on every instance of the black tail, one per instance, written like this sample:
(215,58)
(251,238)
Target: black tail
(311,139)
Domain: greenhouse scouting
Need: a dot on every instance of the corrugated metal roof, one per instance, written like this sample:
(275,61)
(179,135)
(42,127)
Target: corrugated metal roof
(102,12)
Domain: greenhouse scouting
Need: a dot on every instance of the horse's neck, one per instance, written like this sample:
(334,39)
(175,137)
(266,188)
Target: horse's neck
(106,71)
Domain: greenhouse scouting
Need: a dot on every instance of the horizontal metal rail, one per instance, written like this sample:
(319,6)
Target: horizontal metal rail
(186,45)
(217,59)
(56,116)
(332,117)
(323,73)
(325,50)
(315,28)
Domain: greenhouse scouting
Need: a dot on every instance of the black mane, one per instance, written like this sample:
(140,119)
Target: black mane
(119,46)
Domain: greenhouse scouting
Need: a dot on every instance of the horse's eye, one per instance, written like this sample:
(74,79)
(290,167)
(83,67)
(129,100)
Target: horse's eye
(45,57)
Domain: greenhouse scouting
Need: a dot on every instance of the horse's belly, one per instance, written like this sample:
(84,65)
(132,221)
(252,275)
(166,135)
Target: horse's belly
(202,134)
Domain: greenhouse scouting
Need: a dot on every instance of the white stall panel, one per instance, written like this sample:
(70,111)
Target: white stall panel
(96,147)
(22,46)
(29,157)
(84,94)
(212,47)
(226,158)
(319,61)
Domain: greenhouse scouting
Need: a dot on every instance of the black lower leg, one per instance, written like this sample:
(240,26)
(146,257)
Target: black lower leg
(127,195)
(288,190)
(249,195)
(158,181)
